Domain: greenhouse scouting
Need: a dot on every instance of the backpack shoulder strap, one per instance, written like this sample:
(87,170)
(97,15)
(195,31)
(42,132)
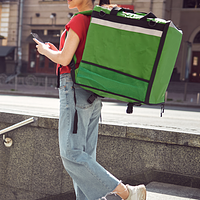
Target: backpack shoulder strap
(74,59)
(87,12)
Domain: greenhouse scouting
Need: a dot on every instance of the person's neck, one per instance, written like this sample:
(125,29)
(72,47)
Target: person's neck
(85,7)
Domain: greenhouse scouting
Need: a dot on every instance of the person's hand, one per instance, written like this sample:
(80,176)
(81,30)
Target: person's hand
(51,46)
(41,47)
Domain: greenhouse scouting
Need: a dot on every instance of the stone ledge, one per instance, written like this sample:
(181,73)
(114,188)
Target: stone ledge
(167,137)
(157,191)
(137,133)
(132,154)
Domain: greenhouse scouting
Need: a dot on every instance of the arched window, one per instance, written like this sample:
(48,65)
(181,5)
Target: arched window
(197,38)
(191,4)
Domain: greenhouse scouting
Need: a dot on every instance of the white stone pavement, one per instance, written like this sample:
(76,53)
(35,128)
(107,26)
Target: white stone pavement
(163,191)
(186,120)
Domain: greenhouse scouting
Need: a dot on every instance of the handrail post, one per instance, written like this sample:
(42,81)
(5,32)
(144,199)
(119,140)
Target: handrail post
(8,141)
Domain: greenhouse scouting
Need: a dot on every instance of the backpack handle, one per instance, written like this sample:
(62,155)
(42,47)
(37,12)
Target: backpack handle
(116,9)
(149,15)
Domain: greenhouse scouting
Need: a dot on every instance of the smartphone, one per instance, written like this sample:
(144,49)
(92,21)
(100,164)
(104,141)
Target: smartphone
(35,35)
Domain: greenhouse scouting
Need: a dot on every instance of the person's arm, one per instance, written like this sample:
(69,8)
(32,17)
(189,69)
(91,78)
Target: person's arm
(51,46)
(65,56)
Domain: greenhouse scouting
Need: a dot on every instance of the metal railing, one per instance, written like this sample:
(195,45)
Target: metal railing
(8,141)
(29,83)
(30,80)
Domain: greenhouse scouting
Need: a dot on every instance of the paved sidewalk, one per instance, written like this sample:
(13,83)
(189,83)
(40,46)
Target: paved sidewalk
(175,95)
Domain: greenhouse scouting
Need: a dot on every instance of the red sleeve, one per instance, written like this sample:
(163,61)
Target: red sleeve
(78,24)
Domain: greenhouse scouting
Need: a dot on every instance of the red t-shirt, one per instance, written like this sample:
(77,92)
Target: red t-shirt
(79,24)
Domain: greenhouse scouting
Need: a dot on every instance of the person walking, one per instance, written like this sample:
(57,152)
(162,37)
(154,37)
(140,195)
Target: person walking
(78,150)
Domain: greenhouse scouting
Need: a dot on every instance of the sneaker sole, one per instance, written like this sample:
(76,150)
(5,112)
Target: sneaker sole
(144,192)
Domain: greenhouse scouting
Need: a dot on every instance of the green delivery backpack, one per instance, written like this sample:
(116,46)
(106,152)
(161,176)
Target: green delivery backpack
(128,56)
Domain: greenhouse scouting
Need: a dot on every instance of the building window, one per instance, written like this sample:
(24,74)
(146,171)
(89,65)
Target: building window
(191,4)
(195,61)
(40,33)
(197,38)
(54,33)
(39,63)
(32,56)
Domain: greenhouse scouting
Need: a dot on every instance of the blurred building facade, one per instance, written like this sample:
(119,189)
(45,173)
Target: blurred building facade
(8,35)
(186,14)
(47,18)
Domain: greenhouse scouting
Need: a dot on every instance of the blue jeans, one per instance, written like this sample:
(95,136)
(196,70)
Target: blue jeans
(78,151)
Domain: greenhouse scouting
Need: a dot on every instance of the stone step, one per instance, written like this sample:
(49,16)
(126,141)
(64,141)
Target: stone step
(155,191)
(163,191)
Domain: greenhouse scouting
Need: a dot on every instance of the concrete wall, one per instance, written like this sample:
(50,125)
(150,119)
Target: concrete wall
(32,169)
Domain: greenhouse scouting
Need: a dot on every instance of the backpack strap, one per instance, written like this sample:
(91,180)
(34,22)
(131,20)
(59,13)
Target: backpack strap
(130,107)
(73,67)
(115,10)
(162,109)
(72,63)
(87,12)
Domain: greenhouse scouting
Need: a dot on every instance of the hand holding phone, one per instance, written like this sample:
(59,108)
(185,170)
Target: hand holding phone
(35,35)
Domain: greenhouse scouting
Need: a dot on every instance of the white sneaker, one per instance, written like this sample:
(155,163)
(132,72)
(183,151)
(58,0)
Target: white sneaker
(136,192)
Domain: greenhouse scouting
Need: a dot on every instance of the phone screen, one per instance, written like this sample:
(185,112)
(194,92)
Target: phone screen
(35,35)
